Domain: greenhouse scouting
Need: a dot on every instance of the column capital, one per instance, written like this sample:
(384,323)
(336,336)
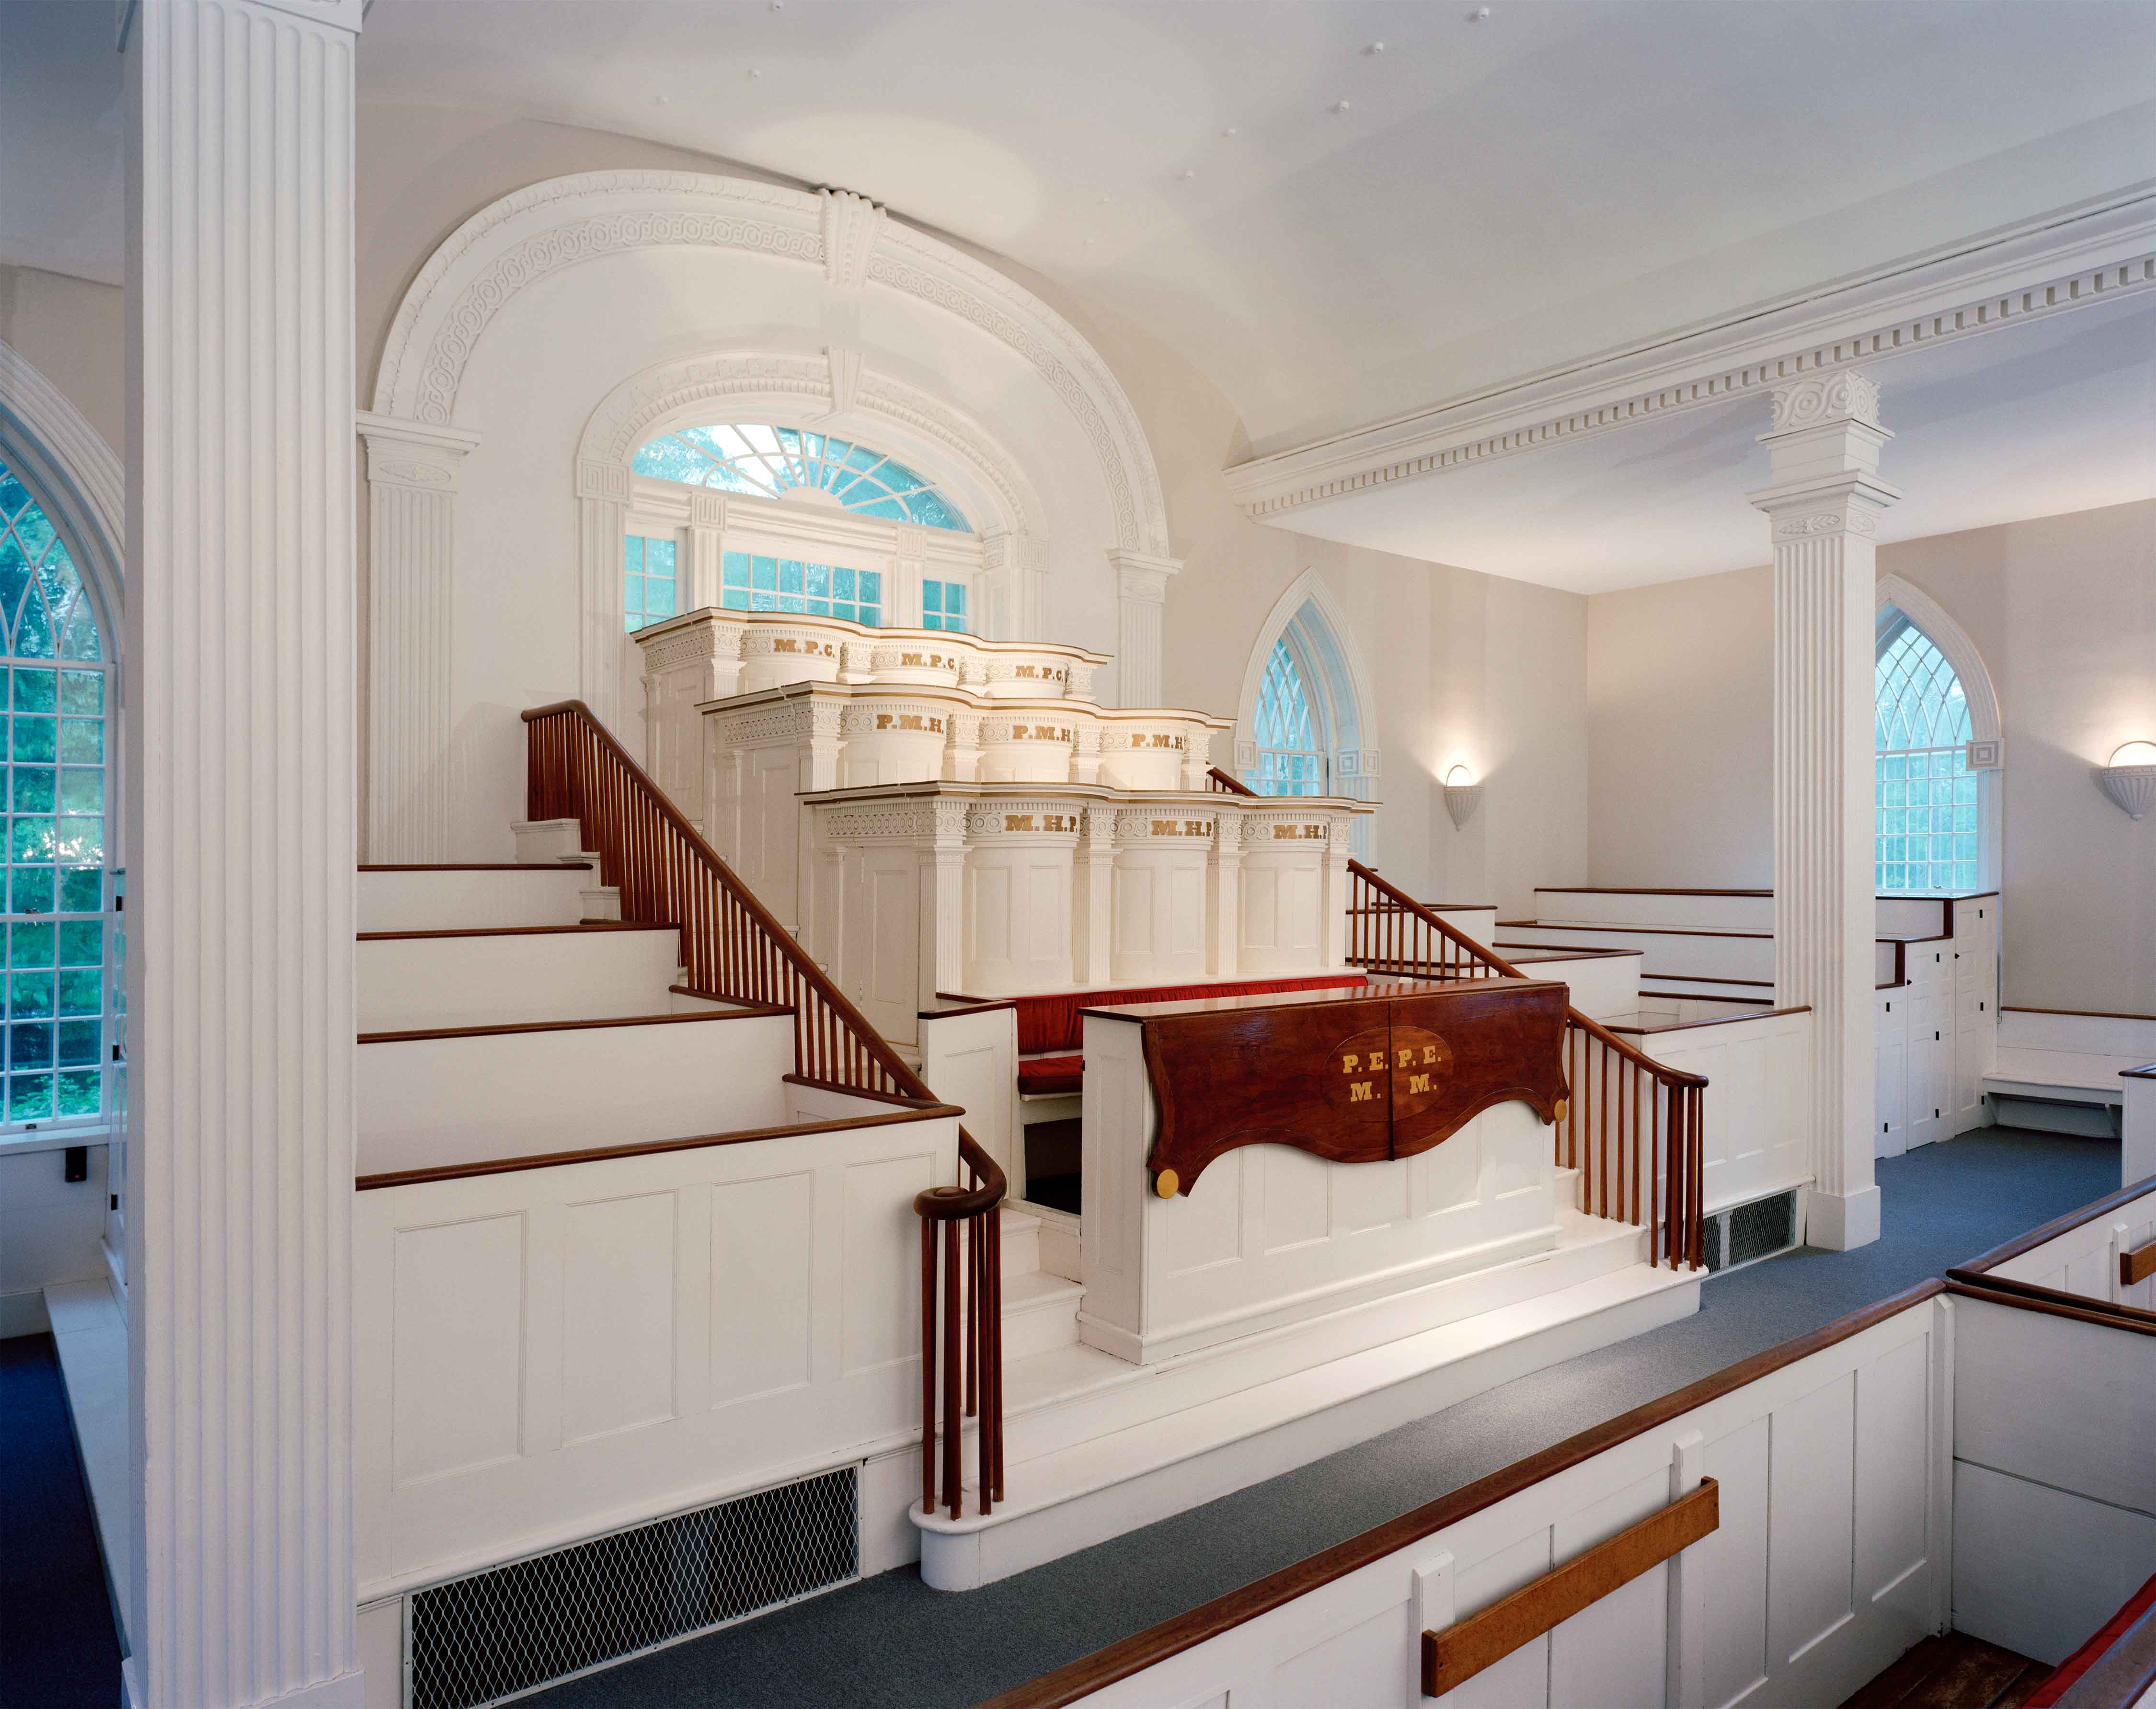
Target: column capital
(412,454)
(1845,394)
(1140,575)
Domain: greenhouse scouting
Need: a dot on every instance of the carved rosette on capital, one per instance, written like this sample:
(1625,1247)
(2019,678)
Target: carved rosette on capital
(412,471)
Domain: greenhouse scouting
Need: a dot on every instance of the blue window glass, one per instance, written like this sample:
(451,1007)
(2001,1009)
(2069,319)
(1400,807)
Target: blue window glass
(1290,761)
(1924,794)
(943,605)
(769,462)
(54,794)
(647,581)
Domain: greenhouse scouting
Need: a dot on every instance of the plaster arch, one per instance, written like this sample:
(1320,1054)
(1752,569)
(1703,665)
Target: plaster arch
(80,482)
(540,230)
(1311,614)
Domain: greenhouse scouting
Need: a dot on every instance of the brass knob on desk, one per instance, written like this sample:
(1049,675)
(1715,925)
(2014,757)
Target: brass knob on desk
(1165,1183)
(1563,1109)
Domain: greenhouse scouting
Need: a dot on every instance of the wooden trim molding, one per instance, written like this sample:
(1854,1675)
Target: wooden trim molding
(2057,1226)
(1157,1643)
(476,866)
(1718,1020)
(1656,931)
(2027,1296)
(2137,1267)
(1622,890)
(746,1012)
(2097,1014)
(1560,952)
(600,1154)
(518,931)
(899,1099)
(1452,1657)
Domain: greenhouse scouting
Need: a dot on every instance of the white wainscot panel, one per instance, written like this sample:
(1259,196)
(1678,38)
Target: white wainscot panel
(970,1059)
(547,1353)
(1757,1089)
(1810,1541)
(618,1281)
(763,1298)
(2084,1261)
(460,1309)
(2038,1569)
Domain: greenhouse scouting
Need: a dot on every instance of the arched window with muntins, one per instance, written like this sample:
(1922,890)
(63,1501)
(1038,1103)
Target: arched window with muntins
(770,462)
(1291,753)
(1926,832)
(52,745)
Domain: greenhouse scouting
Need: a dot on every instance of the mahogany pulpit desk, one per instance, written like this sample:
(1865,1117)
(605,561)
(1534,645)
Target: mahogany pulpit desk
(1382,1076)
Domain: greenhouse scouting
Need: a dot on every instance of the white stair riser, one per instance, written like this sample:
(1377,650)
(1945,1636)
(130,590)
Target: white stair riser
(548,838)
(428,1102)
(1193,1380)
(1664,953)
(1563,907)
(1601,986)
(408,982)
(450,899)
(1021,1244)
(1039,1329)
(601,903)
(965,1560)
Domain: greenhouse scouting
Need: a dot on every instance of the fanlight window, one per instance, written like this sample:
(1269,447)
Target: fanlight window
(1290,761)
(1926,832)
(52,751)
(770,462)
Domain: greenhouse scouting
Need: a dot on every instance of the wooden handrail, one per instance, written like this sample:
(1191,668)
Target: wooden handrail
(1611,1117)
(2057,1226)
(736,951)
(1452,1657)
(1223,783)
(2138,1265)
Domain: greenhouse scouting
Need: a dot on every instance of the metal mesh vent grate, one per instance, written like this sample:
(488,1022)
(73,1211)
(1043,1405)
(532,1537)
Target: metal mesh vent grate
(1763,1226)
(504,1631)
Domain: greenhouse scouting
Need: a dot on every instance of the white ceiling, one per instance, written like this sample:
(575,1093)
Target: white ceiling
(1499,197)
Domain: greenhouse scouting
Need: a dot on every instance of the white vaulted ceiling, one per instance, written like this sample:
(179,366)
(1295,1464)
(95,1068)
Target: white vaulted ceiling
(1498,198)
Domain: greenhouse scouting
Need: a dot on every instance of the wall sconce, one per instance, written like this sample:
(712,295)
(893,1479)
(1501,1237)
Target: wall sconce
(2130,779)
(1462,795)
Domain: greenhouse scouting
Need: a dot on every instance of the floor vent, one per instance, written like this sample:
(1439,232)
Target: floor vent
(512,1628)
(1744,1234)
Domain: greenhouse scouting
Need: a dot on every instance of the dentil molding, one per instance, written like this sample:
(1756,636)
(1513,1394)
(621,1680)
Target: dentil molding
(540,230)
(2075,257)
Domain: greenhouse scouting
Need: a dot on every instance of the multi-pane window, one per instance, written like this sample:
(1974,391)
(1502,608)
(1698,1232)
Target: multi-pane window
(750,582)
(53,737)
(943,605)
(770,462)
(1290,761)
(647,581)
(1926,832)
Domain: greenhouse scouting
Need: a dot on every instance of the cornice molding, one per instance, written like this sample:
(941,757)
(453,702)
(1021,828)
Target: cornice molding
(2095,252)
(546,227)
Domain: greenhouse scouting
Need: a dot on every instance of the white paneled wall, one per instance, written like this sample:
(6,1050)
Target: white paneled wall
(1757,1100)
(548,1353)
(2084,1260)
(2055,1474)
(1829,1562)
(51,1229)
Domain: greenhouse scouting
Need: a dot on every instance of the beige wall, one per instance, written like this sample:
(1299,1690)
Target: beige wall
(2063,611)
(73,332)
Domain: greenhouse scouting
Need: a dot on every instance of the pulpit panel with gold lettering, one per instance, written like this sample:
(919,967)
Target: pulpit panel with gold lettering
(1360,1080)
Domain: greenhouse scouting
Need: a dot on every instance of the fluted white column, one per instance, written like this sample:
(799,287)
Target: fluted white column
(1823,507)
(242,830)
(411,547)
(1140,601)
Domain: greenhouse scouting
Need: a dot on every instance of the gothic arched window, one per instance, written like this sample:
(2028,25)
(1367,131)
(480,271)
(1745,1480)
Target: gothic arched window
(1291,750)
(58,1024)
(1927,831)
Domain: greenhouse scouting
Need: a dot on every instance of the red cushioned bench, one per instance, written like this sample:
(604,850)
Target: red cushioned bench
(1051,1027)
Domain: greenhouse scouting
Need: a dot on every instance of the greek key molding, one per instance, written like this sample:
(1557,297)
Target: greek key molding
(546,227)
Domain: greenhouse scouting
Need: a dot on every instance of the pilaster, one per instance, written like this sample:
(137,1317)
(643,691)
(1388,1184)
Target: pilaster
(1014,587)
(1823,508)
(1225,897)
(242,838)
(706,545)
(601,518)
(942,957)
(412,472)
(1093,894)
(1141,603)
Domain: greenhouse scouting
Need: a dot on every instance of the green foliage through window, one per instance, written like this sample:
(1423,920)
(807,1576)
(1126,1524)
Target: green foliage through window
(769,462)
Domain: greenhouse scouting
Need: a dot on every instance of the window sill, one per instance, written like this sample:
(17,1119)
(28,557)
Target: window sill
(55,1139)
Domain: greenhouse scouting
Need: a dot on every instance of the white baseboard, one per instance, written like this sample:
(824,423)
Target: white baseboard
(23,1314)
(1837,1222)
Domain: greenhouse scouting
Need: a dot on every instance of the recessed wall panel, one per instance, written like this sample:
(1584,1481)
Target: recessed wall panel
(762,1251)
(619,1275)
(458,1347)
